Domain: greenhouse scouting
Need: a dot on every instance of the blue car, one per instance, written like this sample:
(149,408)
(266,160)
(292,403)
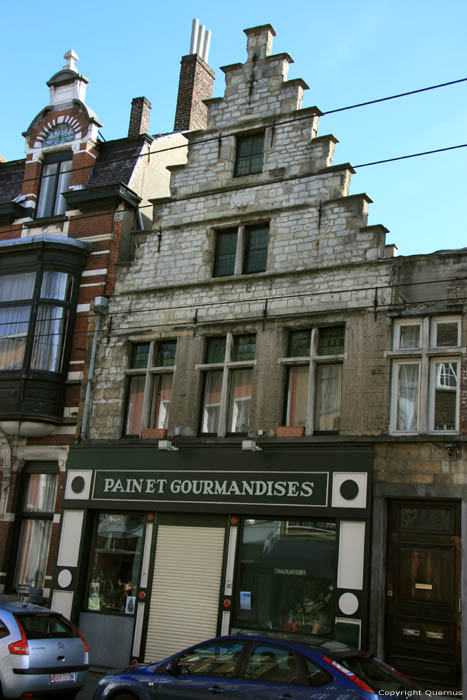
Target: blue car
(263,666)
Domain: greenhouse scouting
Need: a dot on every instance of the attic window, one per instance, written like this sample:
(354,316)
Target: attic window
(250,151)
(55,177)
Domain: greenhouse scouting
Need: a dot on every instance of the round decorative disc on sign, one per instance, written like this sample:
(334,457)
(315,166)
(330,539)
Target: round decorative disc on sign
(64,578)
(348,603)
(77,484)
(349,489)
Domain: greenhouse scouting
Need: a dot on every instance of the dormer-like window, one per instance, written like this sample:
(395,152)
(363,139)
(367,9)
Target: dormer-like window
(55,177)
(249,157)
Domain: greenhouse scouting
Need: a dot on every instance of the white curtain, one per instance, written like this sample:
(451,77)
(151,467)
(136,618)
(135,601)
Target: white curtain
(33,552)
(407,397)
(162,395)
(17,287)
(14,325)
(48,336)
(54,285)
(328,397)
(239,400)
(135,405)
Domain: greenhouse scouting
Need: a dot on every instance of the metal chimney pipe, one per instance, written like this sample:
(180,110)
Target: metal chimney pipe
(199,48)
(194,35)
(207,44)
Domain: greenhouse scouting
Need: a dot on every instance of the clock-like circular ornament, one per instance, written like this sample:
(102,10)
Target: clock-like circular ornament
(59,134)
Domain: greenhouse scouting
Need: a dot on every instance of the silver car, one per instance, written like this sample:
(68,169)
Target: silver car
(42,654)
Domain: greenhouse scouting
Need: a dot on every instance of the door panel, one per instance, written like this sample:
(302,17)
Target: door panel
(423,589)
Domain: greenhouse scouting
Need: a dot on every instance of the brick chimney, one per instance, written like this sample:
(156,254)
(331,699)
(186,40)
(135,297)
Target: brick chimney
(139,117)
(196,83)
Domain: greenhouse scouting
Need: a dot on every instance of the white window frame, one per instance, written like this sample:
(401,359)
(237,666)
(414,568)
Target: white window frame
(312,361)
(426,356)
(151,373)
(226,366)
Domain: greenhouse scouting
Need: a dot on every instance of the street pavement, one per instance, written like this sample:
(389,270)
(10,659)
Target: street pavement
(88,690)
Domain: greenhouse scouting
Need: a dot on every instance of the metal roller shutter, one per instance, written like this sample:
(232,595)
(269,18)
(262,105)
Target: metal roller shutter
(185,590)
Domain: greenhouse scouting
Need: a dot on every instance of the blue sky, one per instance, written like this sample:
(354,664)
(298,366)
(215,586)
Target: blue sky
(347,52)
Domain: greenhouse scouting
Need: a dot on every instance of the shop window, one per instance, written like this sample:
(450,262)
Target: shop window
(425,376)
(55,177)
(36,518)
(150,377)
(228,379)
(314,379)
(286,576)
(115,563)
(34,311)
(241,250)
(249,155)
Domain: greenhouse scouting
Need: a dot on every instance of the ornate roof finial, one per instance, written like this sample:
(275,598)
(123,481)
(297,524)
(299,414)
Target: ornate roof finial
(71,57)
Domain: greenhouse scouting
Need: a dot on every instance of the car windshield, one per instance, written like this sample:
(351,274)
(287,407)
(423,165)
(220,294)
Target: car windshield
(377,674)
(45,626)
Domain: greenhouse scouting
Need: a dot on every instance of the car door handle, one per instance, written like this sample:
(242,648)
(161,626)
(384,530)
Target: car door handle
(215,689)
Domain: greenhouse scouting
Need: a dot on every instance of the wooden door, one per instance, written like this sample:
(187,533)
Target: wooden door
(423,591)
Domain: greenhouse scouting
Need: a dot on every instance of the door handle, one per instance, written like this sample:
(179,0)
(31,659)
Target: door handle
(215,689)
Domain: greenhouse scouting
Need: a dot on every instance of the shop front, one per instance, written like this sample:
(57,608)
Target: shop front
(159,550)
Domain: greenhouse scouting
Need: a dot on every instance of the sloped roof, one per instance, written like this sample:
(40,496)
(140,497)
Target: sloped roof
(116,161)
(11,179)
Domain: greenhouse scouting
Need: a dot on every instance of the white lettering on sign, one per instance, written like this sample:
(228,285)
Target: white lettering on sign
(210,487)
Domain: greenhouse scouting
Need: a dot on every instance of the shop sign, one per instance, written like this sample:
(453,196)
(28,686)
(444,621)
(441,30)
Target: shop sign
(230,487)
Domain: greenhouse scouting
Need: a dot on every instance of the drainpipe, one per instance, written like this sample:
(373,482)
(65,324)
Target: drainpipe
(6,472)
(100,307)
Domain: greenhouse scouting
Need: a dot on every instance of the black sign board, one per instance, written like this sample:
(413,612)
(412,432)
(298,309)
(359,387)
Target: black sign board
(230,487)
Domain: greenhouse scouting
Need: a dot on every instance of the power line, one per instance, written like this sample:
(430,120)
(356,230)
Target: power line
(280,123)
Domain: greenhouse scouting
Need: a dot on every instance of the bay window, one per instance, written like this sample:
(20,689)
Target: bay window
(150,376)
(314,379)
(228,379)
(425,375)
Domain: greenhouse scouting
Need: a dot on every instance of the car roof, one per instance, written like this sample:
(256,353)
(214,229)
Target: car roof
(16,608)
(320,645)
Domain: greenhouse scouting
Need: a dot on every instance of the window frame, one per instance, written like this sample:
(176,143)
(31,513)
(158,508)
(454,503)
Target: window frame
(243,250)
(152,374)
(313,361)
(227,366)
(53,204)
(245,138)
(57,347)
(425,355)
(23,515)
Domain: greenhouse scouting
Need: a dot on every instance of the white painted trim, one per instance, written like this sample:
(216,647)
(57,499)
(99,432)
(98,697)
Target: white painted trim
(74,376)
(225,624)
(82,308)
(138,629)
(229,569)
(351,555)
(62,602)
(146,556)
(70,539)
(94,239)
(94,273)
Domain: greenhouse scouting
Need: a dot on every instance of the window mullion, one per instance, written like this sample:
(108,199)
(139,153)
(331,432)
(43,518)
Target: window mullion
(145,418)
(310,409)
(240,251)
(425,391)
(222,428)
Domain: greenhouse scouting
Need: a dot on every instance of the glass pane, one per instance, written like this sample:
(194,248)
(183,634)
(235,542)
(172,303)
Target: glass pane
(331,341)
(215,350)
(140,355)
(250,151)
(46,202)
(162,396)
(56,285)
(328,398)
(33,552)
(286,576)
(446,396)
(447,334)
(47,626)
(297,395)
(217,659)
(17,287)
(272,664)
(116,563)
(243,348)
(409,336)
(135,405)
(407,397)
(226,249)
(166,354)
(41,493)
(239,400)
(62,186)
(14,326)
(256,250)
(48,338)
(299,344)
(211,402)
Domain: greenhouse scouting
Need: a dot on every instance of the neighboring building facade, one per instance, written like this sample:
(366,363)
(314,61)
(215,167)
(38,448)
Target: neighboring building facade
(276,430)
(66,213)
